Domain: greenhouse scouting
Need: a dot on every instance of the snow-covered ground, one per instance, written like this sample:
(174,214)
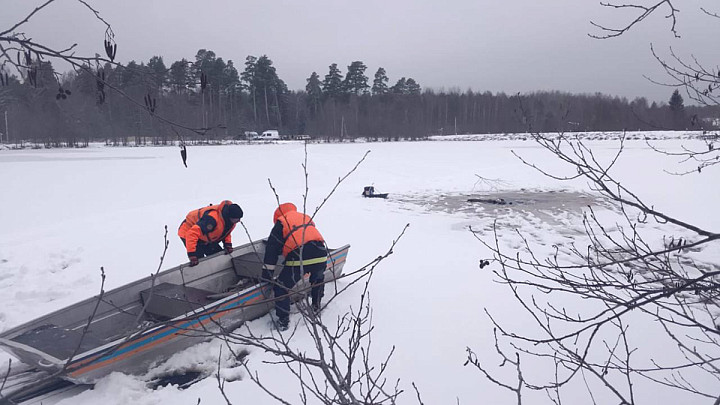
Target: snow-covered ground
(66,213)
(587,135)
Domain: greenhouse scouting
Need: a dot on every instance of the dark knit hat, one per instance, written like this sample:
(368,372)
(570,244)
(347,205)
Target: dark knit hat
(234,211)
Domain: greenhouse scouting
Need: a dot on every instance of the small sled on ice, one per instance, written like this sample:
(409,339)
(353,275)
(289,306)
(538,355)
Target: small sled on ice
(369,192)
(147,321)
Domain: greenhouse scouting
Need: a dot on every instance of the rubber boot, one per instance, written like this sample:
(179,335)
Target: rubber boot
(282,324)
(316,300)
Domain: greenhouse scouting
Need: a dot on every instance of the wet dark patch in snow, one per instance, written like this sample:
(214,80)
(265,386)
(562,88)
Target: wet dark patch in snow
(187,377)
(553,200)
(544,204)
(182,380)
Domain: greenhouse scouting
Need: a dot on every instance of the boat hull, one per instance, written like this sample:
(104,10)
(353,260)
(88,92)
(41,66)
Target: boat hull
(134,352)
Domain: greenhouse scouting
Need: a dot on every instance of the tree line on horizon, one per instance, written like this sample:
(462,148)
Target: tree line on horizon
(118,104)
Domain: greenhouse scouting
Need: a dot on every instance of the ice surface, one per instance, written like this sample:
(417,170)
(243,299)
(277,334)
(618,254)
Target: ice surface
(66,213)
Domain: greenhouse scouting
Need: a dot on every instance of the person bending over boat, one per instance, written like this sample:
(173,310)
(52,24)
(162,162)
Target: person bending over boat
(203,229)
(295,236)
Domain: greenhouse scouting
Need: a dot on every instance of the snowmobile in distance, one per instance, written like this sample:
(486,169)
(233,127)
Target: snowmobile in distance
(369,192)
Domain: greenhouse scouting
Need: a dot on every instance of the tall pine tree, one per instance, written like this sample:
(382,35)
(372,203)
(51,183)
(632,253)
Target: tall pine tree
(677,110)
(179,75)
(159,72)
(314,92)
(380,86)
(400,87)
(247,80)
(333,84)
(412,87)
(355,81)
(676,102)
(270,88)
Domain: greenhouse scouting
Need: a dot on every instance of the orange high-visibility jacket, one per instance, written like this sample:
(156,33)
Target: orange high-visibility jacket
(297,227)
(207,225)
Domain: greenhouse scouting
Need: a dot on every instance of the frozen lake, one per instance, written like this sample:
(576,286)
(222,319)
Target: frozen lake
(66,213)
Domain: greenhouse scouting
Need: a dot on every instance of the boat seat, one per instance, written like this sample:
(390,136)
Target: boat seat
(170,300)
(59,342)
(248,265)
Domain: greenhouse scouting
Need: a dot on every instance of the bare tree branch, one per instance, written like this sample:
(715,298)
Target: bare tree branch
(644,12)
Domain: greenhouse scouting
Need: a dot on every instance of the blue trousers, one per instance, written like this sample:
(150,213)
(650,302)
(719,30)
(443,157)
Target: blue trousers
(289,276)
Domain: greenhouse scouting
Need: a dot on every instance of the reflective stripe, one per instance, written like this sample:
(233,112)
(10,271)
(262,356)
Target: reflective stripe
(307,262)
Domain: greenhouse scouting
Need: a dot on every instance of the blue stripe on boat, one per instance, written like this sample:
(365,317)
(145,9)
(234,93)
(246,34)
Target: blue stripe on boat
(226,306)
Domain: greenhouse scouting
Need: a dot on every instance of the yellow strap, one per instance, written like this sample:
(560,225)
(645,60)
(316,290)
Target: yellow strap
(306,262)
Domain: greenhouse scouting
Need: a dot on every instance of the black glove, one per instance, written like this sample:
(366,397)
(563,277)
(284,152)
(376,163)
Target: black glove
(193,260)
(267,271)
(228,248)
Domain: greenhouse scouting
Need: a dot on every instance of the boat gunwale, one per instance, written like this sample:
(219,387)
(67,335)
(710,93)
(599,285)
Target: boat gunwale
(92,356)
(188,316)
(75,366)
(17,330)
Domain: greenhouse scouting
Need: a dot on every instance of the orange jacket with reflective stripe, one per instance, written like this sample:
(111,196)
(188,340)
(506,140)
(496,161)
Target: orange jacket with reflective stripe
(207,225)
(298,229)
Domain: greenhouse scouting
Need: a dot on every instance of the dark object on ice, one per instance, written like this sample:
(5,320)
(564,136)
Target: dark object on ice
(369,192)
(183,155)
(496,201)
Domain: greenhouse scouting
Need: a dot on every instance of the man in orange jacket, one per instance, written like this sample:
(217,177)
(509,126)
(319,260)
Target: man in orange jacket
(294,236)
(203,229)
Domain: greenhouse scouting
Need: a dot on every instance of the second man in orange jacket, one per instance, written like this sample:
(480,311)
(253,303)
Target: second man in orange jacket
(294,236)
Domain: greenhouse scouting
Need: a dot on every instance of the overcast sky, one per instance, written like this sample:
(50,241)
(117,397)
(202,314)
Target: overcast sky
(496,45)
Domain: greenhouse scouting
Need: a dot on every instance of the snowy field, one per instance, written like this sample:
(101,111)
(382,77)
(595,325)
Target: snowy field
(66,213)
